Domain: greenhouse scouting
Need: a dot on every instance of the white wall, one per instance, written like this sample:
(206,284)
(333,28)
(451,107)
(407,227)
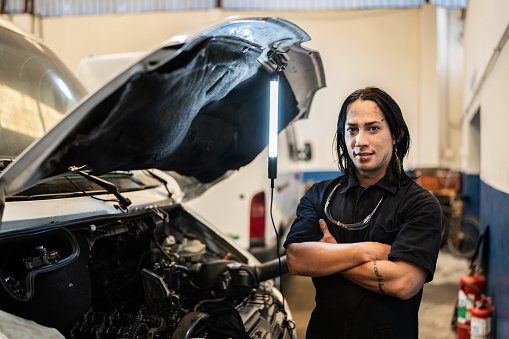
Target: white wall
(486,90)
(395,49)
(450,72)
(494,119)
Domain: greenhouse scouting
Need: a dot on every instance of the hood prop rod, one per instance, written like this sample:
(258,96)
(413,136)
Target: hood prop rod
(108,186)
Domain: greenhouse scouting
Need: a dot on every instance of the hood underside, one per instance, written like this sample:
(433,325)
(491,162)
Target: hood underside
(199,108)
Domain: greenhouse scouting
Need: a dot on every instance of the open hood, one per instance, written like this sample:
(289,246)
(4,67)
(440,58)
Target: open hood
(198,107)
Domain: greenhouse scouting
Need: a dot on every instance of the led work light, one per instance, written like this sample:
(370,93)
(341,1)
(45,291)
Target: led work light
(273,124)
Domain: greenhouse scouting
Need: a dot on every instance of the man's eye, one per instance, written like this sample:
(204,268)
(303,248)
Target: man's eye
(374,128)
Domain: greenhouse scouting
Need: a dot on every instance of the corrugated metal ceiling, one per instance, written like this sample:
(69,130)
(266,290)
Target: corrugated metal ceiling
(333,4)
(46,8)
(317,4)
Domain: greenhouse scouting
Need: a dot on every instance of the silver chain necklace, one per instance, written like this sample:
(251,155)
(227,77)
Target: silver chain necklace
(355,226)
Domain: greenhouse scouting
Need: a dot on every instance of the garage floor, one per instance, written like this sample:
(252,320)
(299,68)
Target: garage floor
(436,309)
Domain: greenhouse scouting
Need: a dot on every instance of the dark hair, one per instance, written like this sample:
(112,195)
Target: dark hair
(397,126)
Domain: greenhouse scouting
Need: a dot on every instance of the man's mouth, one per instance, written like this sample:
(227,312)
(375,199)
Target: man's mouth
(364,154)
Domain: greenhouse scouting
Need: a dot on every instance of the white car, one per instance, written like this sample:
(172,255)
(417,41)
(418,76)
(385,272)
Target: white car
(96,240)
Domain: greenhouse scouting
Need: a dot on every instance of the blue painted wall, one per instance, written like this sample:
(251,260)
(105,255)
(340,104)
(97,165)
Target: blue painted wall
(470,189)
(494,210)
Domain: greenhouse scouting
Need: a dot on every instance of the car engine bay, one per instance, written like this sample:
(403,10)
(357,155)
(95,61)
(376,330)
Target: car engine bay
(156,273)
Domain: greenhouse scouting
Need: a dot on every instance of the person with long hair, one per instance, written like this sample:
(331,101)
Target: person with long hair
(370,237)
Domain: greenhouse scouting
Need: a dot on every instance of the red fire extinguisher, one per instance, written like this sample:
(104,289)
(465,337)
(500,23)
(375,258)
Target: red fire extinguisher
(480,323)
(471,290)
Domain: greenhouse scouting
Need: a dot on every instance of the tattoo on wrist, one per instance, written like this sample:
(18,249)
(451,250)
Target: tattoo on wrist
(379,278)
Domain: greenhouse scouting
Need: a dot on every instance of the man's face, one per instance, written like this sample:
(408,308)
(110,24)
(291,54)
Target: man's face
(369,140)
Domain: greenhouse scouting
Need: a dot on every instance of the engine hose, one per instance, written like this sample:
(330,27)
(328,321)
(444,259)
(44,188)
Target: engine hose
(270,269)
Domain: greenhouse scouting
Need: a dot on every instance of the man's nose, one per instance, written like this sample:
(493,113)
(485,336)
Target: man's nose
(362,139)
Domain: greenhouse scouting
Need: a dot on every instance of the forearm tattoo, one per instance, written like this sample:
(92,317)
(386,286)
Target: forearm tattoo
(379,278)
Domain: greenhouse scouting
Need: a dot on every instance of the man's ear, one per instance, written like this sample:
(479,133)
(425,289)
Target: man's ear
(401,134)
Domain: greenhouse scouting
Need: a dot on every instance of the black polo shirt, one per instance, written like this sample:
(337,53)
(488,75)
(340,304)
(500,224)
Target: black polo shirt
(409,219)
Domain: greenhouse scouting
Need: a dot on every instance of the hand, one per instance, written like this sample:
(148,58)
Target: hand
(327,237)
(373,250)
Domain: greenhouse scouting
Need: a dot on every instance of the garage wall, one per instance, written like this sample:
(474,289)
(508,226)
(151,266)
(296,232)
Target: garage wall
(486,113)
(395,49)
(450,72)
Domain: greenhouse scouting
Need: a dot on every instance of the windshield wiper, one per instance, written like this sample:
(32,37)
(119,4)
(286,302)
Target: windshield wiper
(108,186)
(164,182)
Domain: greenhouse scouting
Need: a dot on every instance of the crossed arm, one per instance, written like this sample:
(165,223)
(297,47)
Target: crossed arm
(364,263)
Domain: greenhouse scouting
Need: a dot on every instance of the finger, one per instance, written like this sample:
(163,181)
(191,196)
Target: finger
(327,236)
(323,227)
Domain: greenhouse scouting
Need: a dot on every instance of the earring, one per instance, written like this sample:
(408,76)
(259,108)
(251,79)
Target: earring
(397,159)
(398,163)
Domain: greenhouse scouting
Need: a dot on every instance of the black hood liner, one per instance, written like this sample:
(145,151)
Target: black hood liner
(234,137)
(200,115)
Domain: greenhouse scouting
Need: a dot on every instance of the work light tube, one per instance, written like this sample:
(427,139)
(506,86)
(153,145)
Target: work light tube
(273,124)
(273,114)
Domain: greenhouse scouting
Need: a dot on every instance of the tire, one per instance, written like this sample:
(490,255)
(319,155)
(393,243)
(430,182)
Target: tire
(463,235)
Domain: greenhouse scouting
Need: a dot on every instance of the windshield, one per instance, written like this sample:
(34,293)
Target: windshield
(36,90)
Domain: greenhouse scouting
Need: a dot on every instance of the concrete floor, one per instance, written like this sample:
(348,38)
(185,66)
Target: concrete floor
(437,306)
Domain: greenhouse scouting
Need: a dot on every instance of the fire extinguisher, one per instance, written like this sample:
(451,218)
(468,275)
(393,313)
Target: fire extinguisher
(480,327)
(471,290)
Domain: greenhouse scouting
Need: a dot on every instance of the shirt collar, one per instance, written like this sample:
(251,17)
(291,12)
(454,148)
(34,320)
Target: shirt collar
(387,183)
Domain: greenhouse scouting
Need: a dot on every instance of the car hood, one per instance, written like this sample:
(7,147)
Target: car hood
(197,107)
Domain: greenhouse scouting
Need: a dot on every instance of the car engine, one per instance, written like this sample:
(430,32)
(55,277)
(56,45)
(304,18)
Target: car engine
(151,274)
